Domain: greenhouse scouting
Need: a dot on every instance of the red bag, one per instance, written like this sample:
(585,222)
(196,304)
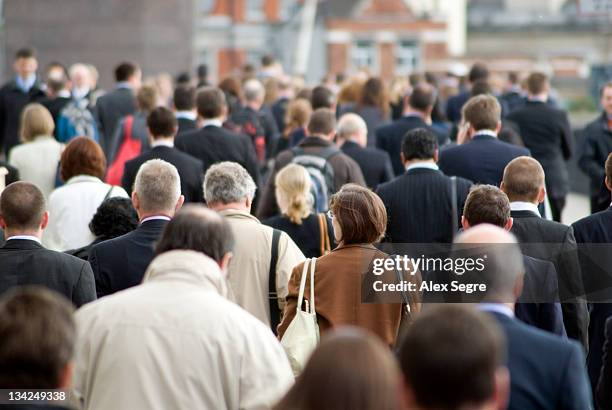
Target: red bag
(130,148)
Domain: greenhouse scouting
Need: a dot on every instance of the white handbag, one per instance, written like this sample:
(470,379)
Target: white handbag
(302,334)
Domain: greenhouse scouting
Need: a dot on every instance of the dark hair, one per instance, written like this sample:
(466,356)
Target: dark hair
(210,102)
(480,87)
(322,121)
(82,156)
(479,71)
(37,338)
(513,77)
(360,213)
(267,60)
(202,71)
(536,83)
(322,97)
(114,217)
(22,205)
(370,383)
(161,122)
(608,167)
(183,79)
(422,97)
(184,98)
(419,143)
(26,52)
(199,229)
(603,88)
(487,204)
(124,71)
(374,93)
(449,357)
(483,112)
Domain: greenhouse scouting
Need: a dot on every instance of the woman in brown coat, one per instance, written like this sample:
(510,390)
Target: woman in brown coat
(359,220)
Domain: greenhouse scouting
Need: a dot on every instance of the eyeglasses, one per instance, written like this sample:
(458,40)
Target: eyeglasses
(330,214)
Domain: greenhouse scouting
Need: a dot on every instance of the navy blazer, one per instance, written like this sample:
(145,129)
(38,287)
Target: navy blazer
(375,163)
(389,138)
(546,371)
(121,262)
(481,160)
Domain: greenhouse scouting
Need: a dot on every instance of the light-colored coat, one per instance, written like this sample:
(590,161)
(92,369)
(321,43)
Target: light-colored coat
(176,342)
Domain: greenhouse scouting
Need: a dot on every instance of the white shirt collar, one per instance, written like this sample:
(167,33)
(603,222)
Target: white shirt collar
(497,308)
(423,165)
(537,99)
(490,133)
(162,143)
(155,217)
(24,237)
(524,206)
(124,84)
(188,115)
(214,122)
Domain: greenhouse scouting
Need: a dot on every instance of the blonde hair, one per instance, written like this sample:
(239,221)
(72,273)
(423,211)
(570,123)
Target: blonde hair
(36,120)
(293,185)
(298,115)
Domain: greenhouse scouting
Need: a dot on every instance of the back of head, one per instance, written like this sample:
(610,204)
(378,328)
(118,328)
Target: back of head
(322,97)
(422,97)
(227,183)
(114,217)
(158,187)
(322,122)
(37,338)
(202,71)
(523,179)
(197,228)
(483,112)
(298,113)
(537,83)
(445,365)
(293,189)
(82,156)
(253,90)
(184,98)
(267,60)
(479,71)
(486,204)
(36,121)
(124,71)
(352,127)
(22,206)
(161,122)
(419,143)
(210,102)
(374,93)
(147,98)
(333,379)
(481,87)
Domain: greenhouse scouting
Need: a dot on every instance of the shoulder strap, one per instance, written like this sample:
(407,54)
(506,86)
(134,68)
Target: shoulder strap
(272,294)
(324,234)
(127,127)
(108,193)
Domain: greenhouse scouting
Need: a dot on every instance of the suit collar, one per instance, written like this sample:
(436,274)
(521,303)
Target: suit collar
(484,136)
(23,244)
(350,144)
(421,170)
(153,224)
(523,214)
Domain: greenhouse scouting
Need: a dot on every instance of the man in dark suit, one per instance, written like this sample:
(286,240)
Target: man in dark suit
(121,262)
(16,94)
(513,97)
(604,385)
(523,182)
(596,146)
(25,261)
(162,128)
(546,371)
(352,136)
(546,131)
(113,106)
(538,304)
(480,155)
(212,143)
(184,108)
(454,104)
(417,114)
(419,202)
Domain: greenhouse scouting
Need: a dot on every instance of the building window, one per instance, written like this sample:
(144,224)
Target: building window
(364,55)
(255,10)
(406,57)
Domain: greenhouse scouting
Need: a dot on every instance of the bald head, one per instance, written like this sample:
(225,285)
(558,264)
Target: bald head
(524,180)
(352,127)
(504,267)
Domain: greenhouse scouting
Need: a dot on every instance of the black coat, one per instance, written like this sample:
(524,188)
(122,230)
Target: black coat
(454,105)
(419,207)
(375,163)
(26,262)
(546,371)
(121,262)
(190,170)
(306,236)
(389,138)
(604,386)
(185,124)
(481,160)
(596,146)
(546,131)
(12,102)
(555,242)
(110,108)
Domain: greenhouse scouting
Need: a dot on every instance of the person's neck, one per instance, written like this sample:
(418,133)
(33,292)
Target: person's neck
(418,161)
(411,112)
(320,136)
(162,140)
(144,215)
(253,105)
(355,140)
(235,206)
(10,232)
(542,97)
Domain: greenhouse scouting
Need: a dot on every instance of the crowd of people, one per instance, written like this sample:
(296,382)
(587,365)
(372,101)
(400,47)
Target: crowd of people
(157,236)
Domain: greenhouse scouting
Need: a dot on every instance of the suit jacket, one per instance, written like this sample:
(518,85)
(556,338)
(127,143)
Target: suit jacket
(185,124)
(213,144)
(26,262)
(604,385)
(121,262)
(481,160)
(419,208)
(389,138)
(454,105)
(546,372)
(375,164)
(555,242)
(110,108)
(596,146)
(514,100)
(189,169)
(547,133)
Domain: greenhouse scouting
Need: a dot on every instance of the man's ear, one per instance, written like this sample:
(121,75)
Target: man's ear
(509,224)
(179,203)
(608,184)
(464,223)
(498,127)
(2,223)
(225,261)
(135,200)
(45,220)
(518,286)
(502,388)
(402,158)
(248,202)
(436,155)
(66,376)
(541,195)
